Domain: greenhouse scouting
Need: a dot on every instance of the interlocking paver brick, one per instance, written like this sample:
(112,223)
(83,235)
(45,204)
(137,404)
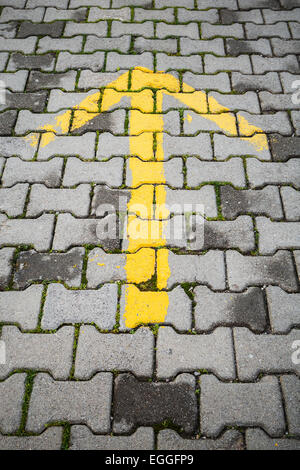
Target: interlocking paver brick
(225,147)
(11,392)
(15,81)
(141,403)
(121,3)
(279,302)
(51,439)
(273,16)
(170,440)
(53,14)
(256,439)
(74,29)
(68,61)
(295,30)
(54,30)
(113,122)
(282,47)
(15,3)
(230,4)
(167,14)
(199,172)
(276,235)
(33,266)
(33,101)
(255,31)
(184,15)
(184,353)
(83,146)
(77,402)
(296,121)
(211,30)
(271,102)
(247,4)
(13,199)
(50,352)
(190,30)
(291,392)
(228,309)
(219,102)
(51,44)
(236,47)
(142,44)
(214,64)
(7,122)
(34,14)
(3,60)
(28,121)
(83,439)
(175,3)
(36,232)
(6,258)
(288,63)
(204,196)
(79,3)
(284,147)
(230,234)
(109,173)
(21,307)
(219,81)
(291,203)
(287,80)
(270,81)
(194,122)
(228,16)
(173,174)
(122,44)
(248,123)
(297,260)
(121,14)
(25,45)
(17,170)
(19,61)
(145,29)
(195,46)
(48,3)
(199,145)
(166,62)
(260,173)
(107,352)
(39,80)
(117,61)
(236,404)
(244,271)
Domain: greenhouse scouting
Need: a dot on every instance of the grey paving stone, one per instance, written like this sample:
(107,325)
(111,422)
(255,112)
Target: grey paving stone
(267,122)
(25,45)
(14,3)
(117,61)
(145,29)
(15,81)
(287,80)
(33,266)
(199,172)
(8,30)
(210,30)
(270,81)
(245,102)
(80,306)
(276,235)
(106,200)
(88,102)
(39,80)
(236,404)
(266,354)
(244,271)
(236,47)
(50,352)
(109,173)
(142,14)
(21,307)
(194,122)
(291,393)
(68,61)
(186,353)
(2,161)
(36,232)
(296,121)
(6,258)
(195,46)
(290,3)
(178,201)
(255,31)
(107,352)
(291,203)
(121,3)
(295,30)
(185,16)
(214,64)
(271,102)
(230,4)
(170,440)
(121,44)
(284,147)
(83,439)
(283,309)
(256,439)
(13,199)
(47,43)
(43,199)
(297,260)
(230,234)
(122,14)
(219,81)
(141,403)
(189,30)
(166,62)
(225,146)
(199,145)
(229,16)
(173,174)
(53,14)
(265,201)
(175,3)
(51,439)
(54,30)
(260,173)
(28,121)
(17,170)
(33,101)
(113,122)
(75,402)
(11,392)
(74,29)
(163,45)
(282,47)
(3,60)
(7,122)
(247,4)
(228,309)
(179,309)
(48,3)
(9,14)
(79,3)
(68,146)
(288,63)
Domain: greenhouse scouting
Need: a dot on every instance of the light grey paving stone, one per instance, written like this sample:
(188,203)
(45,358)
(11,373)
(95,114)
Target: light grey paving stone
(2,161)
(211,30)
(21,307)
(79,3)
(50,352)
(261,173)
(244,271)
(73,29)
(10,14)
(108,352)
(12,200)
(229,16)
(288,63)
(269,81)
(14,3)
(166,62)
(297,260)
(48,3)
(214,64)
(256,439)
(277,235)
(6,258)
(3,60)
(273,16)
(291,203)
(179,310)
(236,47)
(122,14)
(162,45)
(199,145)
(277,122)
(110,145)
(194,122)
(110,173)
(40,80)
(265,201)
(80,306)
(68,61)
(33,266)
(284,309)
(245,102)
(236,404)
(17,170)
(296,121)
(219,81)
(168,439)
(225,146)
(11,393)
(172,100)
(33,101)
(229,234)
(53,14)
(230,4)
(271,102)
(83,439)
(142,14)
(43,199)
(36,232)
(59,99)
(15,81)
(82,146)
(19,146)
(51,439)
(282,47)
(28,121)
(185,16)
(121,3)
(255,31)
(291,393)
(122,44)
(171,123)
(186,353)
(199,172)
(295,30)
(288,4)
(47,43)
(145,29)
(107,121)
(76,402)
(24,45)
(189,30)
(201,201)
(194,46)
(175,3)
(268,354)
(228,309)
(115,61)
(172,173)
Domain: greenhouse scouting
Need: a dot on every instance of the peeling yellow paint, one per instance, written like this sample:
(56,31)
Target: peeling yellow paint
(32,139)
(140,266)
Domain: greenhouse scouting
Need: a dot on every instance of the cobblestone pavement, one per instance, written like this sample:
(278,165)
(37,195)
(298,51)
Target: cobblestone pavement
(117,113)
